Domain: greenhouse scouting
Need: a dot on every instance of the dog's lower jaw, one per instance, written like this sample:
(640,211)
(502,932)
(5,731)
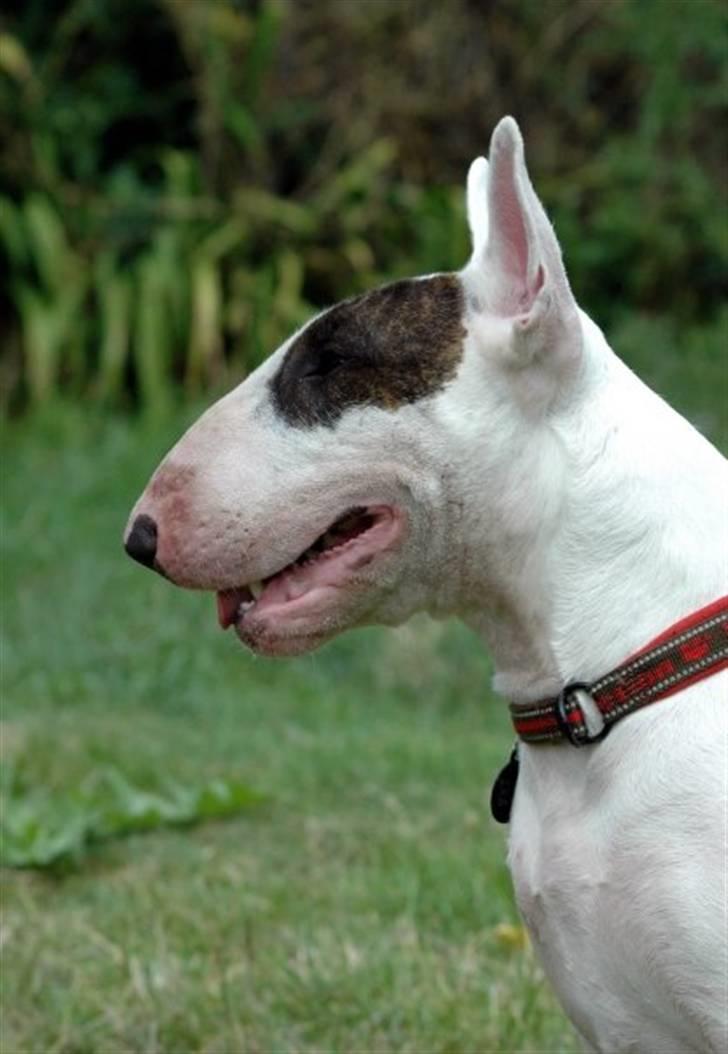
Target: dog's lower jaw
(258,639)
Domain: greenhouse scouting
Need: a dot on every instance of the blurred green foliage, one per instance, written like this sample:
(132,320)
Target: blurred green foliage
(53,832)
(185,181)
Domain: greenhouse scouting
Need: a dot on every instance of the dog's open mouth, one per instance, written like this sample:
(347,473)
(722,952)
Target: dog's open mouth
(346,546)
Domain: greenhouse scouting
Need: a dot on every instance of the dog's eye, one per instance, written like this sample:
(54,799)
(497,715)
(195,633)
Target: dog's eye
(321,363)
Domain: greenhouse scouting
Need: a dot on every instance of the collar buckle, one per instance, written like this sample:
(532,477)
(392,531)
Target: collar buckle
(576,723)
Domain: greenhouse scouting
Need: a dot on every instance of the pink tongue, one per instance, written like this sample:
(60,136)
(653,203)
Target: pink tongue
(228,602)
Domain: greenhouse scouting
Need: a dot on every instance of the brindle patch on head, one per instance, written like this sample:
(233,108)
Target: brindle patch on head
(394,345)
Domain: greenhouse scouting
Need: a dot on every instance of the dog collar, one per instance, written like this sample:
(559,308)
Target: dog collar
(694,648)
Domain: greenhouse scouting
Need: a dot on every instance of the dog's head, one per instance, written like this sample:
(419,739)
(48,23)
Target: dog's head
(374,459)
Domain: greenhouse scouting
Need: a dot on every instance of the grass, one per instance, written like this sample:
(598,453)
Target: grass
(362,904)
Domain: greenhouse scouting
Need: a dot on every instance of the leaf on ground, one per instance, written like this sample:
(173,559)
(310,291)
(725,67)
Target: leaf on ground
(43,833)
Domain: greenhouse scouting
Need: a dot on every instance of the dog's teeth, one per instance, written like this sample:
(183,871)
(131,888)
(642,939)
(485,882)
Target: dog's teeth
(245,605)
(256,588)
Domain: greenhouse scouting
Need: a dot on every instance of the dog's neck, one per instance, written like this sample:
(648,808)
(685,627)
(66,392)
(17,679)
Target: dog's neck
(634,542)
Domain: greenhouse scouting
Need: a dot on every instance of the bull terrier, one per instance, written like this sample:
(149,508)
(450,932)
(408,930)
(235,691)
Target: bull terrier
(467,444)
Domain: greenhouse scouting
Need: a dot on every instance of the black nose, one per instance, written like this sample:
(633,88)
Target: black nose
(141,544)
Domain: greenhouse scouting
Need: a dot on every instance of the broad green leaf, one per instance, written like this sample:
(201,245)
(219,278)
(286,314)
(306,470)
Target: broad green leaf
(42,832)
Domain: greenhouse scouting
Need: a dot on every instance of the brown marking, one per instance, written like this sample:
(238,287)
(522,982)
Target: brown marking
(394,345)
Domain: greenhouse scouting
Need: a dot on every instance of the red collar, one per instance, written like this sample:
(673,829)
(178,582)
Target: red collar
(693,648)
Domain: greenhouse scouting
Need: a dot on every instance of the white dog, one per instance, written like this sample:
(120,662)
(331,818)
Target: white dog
(468,444)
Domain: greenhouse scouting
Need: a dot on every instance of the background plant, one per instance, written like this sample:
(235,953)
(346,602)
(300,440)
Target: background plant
(185,181)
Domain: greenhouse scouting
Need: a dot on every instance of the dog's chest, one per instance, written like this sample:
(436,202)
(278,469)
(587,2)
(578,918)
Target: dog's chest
(557,879)
(566,894)
(597,875)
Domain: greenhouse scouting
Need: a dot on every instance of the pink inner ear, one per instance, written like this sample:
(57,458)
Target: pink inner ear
(509,229)
(511,240)
(529,295)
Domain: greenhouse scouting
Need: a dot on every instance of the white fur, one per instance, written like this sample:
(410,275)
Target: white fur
(477,201)
(565,512)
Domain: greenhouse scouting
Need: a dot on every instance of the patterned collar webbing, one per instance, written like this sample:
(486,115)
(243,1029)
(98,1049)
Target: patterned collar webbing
(693,648)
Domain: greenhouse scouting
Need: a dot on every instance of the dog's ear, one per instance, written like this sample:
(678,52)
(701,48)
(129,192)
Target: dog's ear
(519,271)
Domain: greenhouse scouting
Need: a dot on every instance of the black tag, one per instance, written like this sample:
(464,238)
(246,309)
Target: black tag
(501,797)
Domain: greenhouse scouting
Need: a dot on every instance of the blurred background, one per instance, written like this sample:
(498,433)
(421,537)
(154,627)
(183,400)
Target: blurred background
(183,182)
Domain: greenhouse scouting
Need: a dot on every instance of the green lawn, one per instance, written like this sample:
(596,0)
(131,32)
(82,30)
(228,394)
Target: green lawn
(363,905)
